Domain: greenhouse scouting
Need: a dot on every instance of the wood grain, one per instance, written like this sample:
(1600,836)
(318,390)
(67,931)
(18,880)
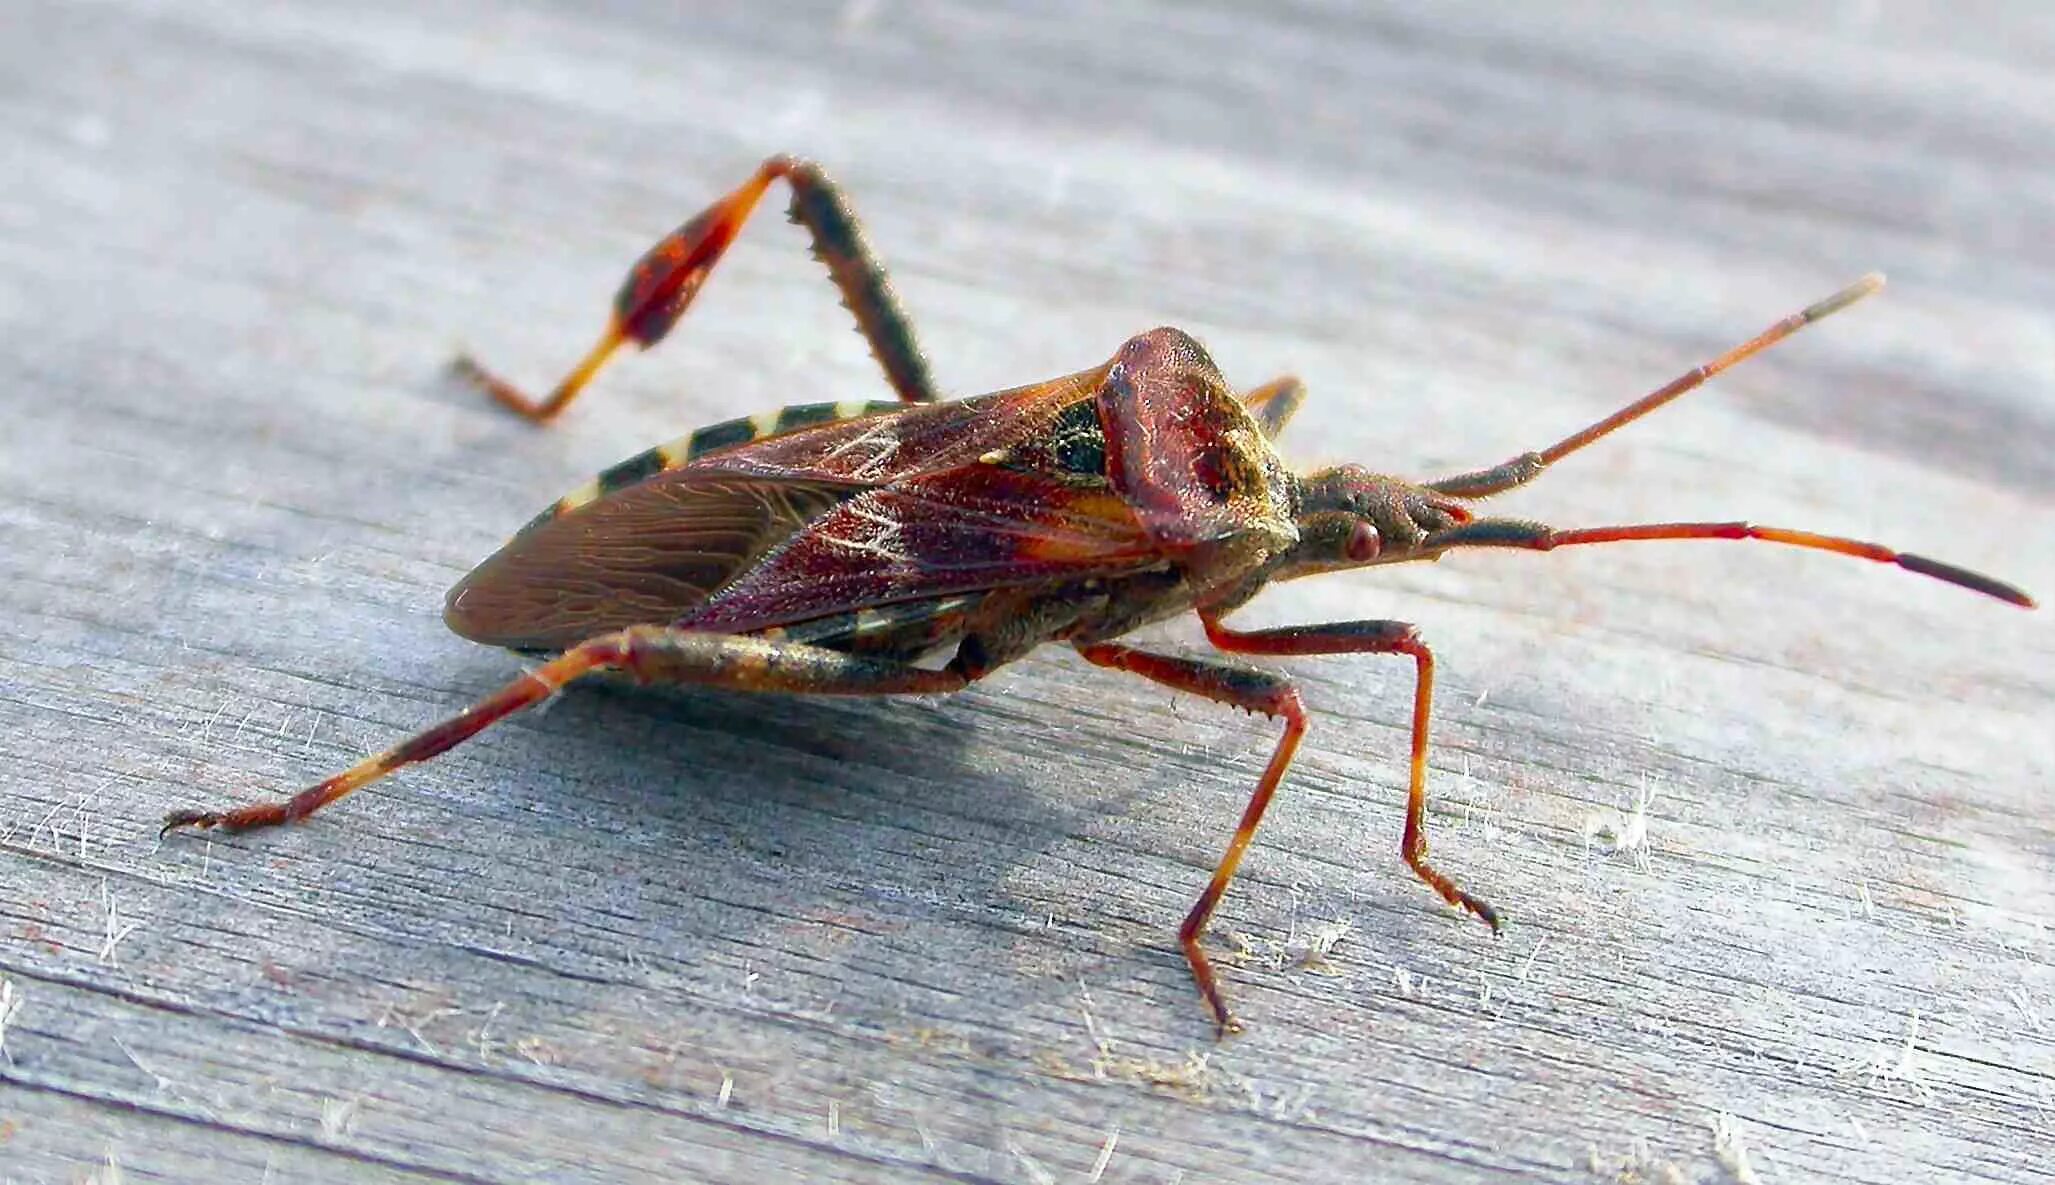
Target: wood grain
(723,939)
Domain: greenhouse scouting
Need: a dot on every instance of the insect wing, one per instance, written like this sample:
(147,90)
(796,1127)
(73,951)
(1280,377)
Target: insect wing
(960,531)
(912,441)
(822,513)
(639,556)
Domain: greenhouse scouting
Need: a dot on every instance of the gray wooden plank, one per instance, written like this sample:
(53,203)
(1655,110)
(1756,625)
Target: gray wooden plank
(931,940)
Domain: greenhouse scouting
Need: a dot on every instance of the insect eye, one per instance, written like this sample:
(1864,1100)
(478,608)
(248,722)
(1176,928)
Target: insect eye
(1364,542)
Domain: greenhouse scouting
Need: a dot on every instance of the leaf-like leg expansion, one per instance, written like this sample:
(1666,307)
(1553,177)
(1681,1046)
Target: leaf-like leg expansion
(1373,637)
(1274,403)
(661,285)
(652,655)
(1256,691)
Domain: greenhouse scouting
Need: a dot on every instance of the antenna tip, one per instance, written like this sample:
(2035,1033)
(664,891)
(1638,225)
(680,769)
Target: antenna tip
(1866,286)
(1964,578)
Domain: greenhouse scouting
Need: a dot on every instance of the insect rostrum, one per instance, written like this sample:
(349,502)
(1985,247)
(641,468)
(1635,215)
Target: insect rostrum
(830,548)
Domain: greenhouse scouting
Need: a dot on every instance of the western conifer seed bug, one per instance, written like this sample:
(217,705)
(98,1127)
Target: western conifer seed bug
(914,546)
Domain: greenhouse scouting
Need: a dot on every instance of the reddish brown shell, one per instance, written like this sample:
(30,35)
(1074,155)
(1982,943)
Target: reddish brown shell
(889,505)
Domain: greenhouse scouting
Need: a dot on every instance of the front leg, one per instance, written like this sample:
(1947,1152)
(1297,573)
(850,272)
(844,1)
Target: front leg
(1255,691)
(652,654)
(1372,637)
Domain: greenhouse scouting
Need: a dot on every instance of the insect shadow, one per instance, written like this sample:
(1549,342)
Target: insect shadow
(920,822)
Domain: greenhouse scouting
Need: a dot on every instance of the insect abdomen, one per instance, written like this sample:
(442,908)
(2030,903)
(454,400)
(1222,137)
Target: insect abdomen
(703,442)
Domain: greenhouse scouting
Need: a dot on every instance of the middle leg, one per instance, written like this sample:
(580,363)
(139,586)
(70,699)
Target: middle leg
(1373,637)
(1274,403)
(1255,691)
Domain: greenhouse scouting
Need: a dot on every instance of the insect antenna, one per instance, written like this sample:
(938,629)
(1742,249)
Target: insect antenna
(1528,466)
(1533,536)
(1697,376)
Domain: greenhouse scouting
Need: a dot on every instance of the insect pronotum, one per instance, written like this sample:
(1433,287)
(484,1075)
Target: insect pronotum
(913,546)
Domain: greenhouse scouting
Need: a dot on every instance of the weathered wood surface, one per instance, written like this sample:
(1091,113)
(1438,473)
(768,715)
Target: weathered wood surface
(710,938)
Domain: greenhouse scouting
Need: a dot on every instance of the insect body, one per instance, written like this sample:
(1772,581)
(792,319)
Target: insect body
(914,546)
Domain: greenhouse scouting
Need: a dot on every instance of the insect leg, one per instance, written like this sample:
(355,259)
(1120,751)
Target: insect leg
(1274,403)
(1527,466)
(661,285)
(650,654)
(1255,691)
(1373,637)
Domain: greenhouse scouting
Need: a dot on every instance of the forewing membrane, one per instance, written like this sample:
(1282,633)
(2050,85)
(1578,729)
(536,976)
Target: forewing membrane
(639,556)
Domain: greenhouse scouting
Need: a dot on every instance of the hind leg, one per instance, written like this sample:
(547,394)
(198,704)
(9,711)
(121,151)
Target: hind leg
(650,654)
(661,285)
